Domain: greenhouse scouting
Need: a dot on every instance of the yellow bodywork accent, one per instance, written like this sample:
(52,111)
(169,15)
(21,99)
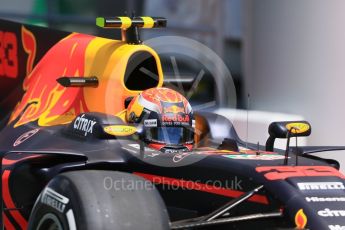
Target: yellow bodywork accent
(108,59)
(148,22)
(135,108)
(298,127)
(122,115)
(126,22)
(120,130)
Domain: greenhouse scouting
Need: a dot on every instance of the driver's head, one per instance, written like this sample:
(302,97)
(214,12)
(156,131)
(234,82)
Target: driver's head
(166,117)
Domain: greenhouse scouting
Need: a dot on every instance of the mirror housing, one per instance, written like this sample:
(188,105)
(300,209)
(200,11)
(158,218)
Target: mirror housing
(284,129)
(121,131)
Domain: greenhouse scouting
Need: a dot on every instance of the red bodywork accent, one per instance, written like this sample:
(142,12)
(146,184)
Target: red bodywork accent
(7,162)
(9,202)
(189,146)
(283,172)
(159,146)
(7,198)
(191,185)
(41,87)
(156,146)
(7,223)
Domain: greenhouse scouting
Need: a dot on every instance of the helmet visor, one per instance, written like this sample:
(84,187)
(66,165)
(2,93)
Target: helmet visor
(170,135)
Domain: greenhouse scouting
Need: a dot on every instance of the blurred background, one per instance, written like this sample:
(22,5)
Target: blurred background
(289,56)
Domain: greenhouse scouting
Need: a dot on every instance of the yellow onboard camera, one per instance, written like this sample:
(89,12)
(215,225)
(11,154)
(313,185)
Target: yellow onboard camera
(129,25)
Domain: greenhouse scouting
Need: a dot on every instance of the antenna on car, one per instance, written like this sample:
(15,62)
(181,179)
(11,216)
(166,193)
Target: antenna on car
(287,150)
(247,126)
(130,25)
(296,152)
(258,149)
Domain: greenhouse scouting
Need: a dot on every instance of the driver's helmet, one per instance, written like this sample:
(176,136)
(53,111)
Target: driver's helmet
(166,118)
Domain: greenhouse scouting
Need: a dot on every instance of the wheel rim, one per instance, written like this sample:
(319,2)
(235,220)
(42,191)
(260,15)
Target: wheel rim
(49,222)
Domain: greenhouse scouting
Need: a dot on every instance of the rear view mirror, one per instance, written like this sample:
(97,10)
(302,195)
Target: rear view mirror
(285,129)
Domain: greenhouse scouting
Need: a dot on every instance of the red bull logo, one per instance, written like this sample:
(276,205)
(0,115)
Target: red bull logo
(173,109)
(176,118)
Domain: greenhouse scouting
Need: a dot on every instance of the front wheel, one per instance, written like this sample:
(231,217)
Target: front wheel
(93,199)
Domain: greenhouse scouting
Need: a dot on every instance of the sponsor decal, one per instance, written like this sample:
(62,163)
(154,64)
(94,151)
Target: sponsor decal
(325,199)
(175,118)
(252,151)
(298,127)
(321,186)
(283,172)
(120,130)
(217,152)
(336,227)
(25,136)
(180,156)
(149,153)
(150,123)
(267,157)
(331,213)
(300,219)
(84,124)
(256,152)
(153,154)
(54,199)
(71,220)
(137,146)
(167,150)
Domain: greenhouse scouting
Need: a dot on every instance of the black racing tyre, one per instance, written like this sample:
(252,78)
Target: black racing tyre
(92,199)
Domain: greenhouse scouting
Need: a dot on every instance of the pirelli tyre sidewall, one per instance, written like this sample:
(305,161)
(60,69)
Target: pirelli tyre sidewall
(82,200)
(57,202)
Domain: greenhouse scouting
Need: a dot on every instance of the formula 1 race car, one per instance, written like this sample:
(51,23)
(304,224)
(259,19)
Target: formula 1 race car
(74,154)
